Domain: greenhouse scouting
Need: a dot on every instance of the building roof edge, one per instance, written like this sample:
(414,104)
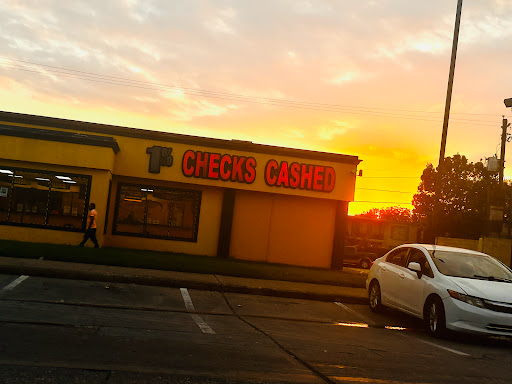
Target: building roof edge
(53,122)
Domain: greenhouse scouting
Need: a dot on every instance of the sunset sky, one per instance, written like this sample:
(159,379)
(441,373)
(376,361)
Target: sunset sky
(364,78)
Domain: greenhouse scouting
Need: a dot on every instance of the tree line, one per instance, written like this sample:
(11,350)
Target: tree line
(454,201)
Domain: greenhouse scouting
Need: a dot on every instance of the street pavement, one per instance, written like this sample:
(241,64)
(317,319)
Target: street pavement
(211,282)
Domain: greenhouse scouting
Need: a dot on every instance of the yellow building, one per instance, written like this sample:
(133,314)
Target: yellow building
(171,192)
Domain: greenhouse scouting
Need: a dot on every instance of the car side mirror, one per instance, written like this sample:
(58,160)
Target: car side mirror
(416,267)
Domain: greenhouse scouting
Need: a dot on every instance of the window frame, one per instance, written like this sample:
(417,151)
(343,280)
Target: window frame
(44,172)
(193,239)
(396,251)
(424,273)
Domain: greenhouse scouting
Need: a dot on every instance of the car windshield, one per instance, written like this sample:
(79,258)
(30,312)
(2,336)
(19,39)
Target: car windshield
(461,264)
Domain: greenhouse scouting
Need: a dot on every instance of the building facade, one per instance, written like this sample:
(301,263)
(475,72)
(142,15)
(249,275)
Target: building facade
(169,192)
(377,235)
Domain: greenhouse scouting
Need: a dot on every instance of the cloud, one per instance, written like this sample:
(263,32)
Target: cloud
(336,128)
(388,54)
(293,133)
(219,24)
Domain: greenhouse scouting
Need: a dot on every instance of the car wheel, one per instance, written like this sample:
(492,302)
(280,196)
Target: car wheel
(375,297)
(365,264)
(435,320)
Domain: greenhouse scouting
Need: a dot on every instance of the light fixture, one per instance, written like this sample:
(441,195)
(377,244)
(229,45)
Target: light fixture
(63,177)
(146,190)
(42,179)
(69,181)
(6,171)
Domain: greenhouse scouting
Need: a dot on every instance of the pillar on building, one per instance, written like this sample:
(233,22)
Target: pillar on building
(340,232)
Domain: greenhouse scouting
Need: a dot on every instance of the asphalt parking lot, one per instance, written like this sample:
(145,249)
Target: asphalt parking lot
(72,331)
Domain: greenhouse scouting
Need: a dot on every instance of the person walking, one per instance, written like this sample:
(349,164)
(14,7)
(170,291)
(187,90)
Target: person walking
(90,232)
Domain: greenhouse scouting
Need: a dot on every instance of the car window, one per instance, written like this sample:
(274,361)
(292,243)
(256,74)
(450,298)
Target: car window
(470,265)
(398,257)
(416,256)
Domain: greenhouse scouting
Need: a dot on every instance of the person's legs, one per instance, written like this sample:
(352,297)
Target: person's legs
(93,238)
(86,237)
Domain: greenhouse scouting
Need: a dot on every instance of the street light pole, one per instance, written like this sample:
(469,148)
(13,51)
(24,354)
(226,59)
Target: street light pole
(450,83)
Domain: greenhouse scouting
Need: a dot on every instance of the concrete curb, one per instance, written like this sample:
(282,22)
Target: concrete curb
(210,282)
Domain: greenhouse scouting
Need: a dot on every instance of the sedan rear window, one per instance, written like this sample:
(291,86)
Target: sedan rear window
(461,264)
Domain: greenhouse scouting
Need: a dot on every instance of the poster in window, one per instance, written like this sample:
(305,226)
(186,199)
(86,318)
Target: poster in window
(178,211)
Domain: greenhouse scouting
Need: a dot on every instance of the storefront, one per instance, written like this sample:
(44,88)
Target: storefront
(170,192)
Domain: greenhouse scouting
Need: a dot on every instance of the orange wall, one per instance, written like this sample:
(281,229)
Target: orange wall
(53,152)
(279,229)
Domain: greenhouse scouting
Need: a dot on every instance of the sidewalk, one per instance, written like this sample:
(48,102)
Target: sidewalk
(212,282)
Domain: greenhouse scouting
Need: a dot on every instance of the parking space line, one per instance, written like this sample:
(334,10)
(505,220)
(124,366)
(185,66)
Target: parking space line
(362,317)
(187,299)
(13,284)
(205,328)
(202,324)
(438,346)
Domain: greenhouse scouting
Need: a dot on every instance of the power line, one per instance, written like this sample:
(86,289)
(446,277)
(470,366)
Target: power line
(382,190)
(250,99)
(384,170)
(113,80)
(381,202)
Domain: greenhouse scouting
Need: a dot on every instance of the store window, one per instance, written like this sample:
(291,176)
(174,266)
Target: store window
(43,199)
(400,232)
(66,207)
(150,211)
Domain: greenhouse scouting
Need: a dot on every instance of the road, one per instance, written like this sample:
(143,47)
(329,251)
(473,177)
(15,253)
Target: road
(57,331)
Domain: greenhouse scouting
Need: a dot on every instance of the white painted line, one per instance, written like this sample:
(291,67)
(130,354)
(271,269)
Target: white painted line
(187,299)
(439,346)
(13,284)
(198,319)
(202,325)
(445,348)
(362,317)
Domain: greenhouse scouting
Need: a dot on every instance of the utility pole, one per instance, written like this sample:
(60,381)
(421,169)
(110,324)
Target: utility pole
(436,213)
(450,83)
(504,127)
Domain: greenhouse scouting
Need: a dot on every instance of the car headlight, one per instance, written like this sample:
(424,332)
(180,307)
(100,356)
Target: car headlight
(471,300)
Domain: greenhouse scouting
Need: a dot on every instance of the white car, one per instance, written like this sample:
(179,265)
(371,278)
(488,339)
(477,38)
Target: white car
(449,288)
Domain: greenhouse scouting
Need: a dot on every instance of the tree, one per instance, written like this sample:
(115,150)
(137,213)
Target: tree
(454,202)
(396,214)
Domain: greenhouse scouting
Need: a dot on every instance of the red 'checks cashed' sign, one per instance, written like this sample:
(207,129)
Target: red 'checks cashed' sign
(303,176)
(242,169)
(215,166)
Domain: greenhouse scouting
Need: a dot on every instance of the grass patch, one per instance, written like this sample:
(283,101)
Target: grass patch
(169,261)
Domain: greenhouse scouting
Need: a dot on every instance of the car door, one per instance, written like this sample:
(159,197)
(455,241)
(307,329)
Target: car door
(390,275)
(412,287)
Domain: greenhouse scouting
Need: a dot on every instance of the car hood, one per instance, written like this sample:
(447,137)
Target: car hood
(485,289)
